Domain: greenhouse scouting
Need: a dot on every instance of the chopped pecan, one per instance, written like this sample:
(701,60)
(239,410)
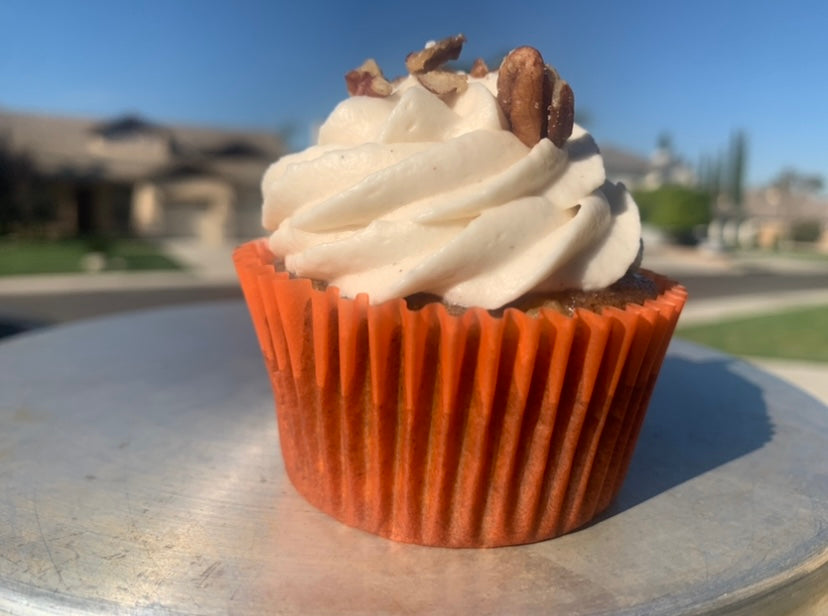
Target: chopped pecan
(368,80)
(435,55)
(443,82)
(479,68)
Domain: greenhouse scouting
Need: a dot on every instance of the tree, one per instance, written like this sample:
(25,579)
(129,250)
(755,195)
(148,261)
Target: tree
(790,180)
(710,173)
(736,167)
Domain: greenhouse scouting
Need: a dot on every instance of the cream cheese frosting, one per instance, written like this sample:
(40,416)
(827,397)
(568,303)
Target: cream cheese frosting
(417,193)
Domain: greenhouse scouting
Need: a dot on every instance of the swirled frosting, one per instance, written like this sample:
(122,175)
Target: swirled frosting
(414,193)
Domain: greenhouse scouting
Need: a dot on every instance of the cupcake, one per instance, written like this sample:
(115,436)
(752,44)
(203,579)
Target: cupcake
(461,343)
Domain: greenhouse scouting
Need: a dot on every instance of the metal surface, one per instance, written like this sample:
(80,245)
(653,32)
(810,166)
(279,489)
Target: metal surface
(140,473)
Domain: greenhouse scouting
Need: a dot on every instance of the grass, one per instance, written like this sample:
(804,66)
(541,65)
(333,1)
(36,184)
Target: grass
(800,333)
(32,256)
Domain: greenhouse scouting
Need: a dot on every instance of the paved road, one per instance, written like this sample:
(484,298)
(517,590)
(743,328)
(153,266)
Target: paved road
(18,310)
(708,286)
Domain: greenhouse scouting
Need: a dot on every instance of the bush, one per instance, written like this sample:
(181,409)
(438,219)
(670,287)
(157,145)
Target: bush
(25,205)
(676,210)
(806,231)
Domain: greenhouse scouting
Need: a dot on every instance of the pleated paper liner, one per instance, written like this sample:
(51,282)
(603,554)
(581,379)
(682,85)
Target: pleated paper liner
(463,431)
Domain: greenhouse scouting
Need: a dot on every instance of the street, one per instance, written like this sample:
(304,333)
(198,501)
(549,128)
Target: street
(709,286)
(26,310)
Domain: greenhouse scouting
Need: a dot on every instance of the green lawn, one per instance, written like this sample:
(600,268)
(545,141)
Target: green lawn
(25,256)
(800,333)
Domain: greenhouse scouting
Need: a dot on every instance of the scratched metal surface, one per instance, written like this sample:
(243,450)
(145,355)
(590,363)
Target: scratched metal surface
(140,473)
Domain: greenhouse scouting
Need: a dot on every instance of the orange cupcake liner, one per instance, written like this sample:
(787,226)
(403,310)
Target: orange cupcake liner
(462,431)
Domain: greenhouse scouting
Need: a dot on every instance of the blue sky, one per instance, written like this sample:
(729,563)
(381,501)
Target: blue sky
(696,70)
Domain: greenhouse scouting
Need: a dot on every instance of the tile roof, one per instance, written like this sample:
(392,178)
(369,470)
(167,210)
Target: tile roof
(130,148)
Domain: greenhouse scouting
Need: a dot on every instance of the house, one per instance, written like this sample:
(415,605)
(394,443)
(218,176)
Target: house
(638,172)
(773,213)
(623,166)
(128,175)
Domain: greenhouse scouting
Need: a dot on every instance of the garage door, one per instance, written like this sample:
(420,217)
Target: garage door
(184,219)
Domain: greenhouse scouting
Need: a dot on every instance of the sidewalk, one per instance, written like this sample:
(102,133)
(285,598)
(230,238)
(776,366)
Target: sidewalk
(204,267)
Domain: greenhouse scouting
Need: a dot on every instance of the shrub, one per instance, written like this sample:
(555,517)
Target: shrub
(25,205)
(806,231)
(676,210)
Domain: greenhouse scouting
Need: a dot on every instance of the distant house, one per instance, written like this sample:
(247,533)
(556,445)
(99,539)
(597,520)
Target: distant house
(638,172)
(129,175)
(624,166)
(771,214)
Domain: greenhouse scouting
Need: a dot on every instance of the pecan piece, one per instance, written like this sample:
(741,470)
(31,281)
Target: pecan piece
(561,108)
(479,68)
(521,82)
(434,56)
(368,80)
(443,82)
